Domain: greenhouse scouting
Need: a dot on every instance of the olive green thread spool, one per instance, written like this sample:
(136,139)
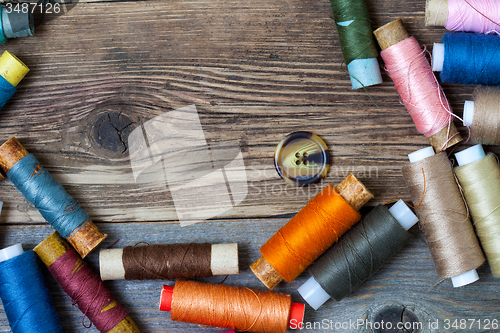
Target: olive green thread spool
(356,41)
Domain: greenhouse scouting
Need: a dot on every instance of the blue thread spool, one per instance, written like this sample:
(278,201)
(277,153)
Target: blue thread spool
(12,71)
(25,296)
(468,58)
(49,197)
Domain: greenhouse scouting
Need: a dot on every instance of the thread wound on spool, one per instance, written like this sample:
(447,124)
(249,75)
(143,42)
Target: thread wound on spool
(309,233)
(84,287)
(25,296)
(359,253)
(471,59)
(223,306)
(420,92)
(480,182)
(473,15)
(55,205)
(356,39)
(169,262)
(486,122)
(443,216)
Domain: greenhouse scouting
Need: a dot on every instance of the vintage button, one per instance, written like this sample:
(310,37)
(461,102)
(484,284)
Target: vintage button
(302,158)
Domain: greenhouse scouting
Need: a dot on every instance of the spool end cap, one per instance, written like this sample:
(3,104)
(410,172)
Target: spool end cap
(313,294)
(296,315)
(364,73)
(11,252)
(465,278)
(403,214)
(468,113)
(470,155)
(437,57)
(167,293)
(12,69)
(421,154)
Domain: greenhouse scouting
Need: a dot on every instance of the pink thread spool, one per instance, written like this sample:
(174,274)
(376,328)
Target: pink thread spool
(419,89)
(482,16)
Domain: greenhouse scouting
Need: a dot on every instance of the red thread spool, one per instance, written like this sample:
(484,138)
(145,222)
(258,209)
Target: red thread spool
(224,306)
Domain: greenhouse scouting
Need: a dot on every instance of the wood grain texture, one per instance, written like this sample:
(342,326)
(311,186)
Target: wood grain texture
(256,71)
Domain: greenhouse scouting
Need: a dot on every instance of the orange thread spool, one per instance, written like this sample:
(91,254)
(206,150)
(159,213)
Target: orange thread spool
(224,306)
(309,233)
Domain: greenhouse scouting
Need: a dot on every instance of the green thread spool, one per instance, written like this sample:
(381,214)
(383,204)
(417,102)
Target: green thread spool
(356,41)
(479,176)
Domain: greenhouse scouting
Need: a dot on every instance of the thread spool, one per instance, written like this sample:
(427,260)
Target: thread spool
(482,115)
(463,15)
(174,261)
(419,89)
(356,41)
(443,216)
(358,254)
(12,71)
(49,197)
(466,58)
(238,308)
(479,176)
(25,296)
(86,289)
(311,232)
(15,24)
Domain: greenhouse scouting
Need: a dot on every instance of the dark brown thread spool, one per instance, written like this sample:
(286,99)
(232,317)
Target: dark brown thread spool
(170,262)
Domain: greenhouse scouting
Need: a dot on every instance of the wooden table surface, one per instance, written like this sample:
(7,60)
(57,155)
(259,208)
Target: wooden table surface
(256,71)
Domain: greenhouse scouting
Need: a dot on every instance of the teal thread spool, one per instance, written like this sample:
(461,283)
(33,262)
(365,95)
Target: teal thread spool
(356,41)
(15,23)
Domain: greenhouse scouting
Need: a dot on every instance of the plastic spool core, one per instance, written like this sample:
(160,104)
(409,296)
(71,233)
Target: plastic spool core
(364,72)
(470,155)
(312,292)
(11,252)
(421,154)
(437,57)
(403,214)
(302,158)
(468,113)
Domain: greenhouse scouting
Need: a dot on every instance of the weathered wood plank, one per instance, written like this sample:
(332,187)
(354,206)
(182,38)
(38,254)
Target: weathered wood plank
(399,282)
(256,72)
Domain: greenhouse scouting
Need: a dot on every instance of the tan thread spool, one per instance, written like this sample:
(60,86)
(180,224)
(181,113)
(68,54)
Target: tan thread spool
(85,239)
(485,127)
(443,216)
(53,247)
(436,12)
(391,34)
(354,193)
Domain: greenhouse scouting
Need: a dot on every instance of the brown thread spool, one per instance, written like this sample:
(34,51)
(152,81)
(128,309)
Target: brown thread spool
(53,247)
(223,306)
(355,195)
(83,238)
(443,216)
(173,261)
(391,34)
